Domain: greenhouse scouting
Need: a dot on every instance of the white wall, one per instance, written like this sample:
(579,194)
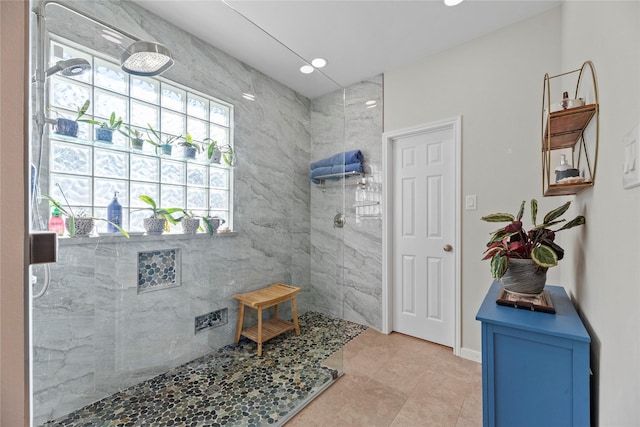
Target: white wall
(495,83)
(603,274)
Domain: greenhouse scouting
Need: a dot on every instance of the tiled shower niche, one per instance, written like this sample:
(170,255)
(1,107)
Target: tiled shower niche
(158,269)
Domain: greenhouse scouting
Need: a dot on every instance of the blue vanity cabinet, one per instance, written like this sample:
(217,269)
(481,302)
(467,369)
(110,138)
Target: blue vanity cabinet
(535,365)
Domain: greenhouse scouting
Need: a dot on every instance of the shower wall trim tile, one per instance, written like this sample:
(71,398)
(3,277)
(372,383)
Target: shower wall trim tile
(135,239)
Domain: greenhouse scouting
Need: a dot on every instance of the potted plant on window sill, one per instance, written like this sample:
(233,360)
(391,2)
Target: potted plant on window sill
(212,223)
(191,148)
(159,221)
(163,145)
(135,137)
(69,127)
(213,151)
(105,130)
(190,222)
(520,258)
(216,153)
(228,156)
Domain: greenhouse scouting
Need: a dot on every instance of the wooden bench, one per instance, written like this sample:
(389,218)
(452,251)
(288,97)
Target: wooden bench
(267,297)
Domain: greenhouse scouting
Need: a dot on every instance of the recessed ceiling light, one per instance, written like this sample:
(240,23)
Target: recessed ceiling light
(306,69)
(319,62)
(452,2)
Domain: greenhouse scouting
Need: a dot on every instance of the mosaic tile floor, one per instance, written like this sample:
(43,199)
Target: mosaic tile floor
(231,386)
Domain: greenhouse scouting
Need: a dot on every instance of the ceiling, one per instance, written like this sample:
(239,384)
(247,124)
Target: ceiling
(359,38)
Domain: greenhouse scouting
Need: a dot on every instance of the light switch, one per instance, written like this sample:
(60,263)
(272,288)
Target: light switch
(471,202)
(630,168)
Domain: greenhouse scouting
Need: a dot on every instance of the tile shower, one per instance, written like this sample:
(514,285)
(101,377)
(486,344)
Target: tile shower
(99,329)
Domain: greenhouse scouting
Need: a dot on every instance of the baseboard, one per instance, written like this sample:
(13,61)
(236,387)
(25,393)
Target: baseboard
(469,354)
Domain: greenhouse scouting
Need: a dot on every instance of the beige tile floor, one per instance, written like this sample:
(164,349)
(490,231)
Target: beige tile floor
(399,381)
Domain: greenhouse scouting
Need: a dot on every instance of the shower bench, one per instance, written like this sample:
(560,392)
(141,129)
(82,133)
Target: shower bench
(263,298)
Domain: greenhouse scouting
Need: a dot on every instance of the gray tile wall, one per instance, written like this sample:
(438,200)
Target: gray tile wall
(358,296)
(93,334)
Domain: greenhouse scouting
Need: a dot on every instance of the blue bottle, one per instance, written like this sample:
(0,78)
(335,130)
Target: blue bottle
(114,214)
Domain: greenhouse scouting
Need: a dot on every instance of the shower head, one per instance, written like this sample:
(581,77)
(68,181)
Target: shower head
(69,67)
(145,58)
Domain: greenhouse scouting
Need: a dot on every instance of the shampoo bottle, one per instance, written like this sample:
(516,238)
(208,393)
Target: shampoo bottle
(114,214)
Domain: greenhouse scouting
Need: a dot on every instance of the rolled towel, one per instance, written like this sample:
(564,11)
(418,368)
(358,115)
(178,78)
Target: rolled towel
(350,167)
(354,156)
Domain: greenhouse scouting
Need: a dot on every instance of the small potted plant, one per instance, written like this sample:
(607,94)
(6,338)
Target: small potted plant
(162,144)
(160,218)
(520,258)
(213,151)
(105,131)
(80,224)
(212,223)
(190,222)
(69,127)
(190,148)
(135,137)
(228,157)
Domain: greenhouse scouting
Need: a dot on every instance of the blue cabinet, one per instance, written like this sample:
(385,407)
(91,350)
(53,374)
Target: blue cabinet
(535,366)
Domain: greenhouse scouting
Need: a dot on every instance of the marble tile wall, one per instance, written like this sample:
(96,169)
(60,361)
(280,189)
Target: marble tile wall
(353,291)
(93,333)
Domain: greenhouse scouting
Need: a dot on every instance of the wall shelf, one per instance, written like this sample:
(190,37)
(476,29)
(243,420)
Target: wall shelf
(568,125)
(565,130)
(338,176)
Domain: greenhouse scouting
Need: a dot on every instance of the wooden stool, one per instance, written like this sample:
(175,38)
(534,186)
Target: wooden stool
(264,298)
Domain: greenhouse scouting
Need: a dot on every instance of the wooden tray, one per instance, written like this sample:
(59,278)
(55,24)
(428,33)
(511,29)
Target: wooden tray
(541,302)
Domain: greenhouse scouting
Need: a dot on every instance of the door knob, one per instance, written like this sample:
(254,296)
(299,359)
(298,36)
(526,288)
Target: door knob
(447,248)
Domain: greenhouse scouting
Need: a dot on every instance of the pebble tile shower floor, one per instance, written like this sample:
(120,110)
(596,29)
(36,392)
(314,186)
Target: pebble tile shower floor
(231,386)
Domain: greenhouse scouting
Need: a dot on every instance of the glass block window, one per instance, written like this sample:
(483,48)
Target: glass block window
(90,171)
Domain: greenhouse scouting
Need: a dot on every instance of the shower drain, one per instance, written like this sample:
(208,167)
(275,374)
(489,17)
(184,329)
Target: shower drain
(211,320)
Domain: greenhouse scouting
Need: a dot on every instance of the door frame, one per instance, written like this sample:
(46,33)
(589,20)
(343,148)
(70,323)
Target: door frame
(454,124)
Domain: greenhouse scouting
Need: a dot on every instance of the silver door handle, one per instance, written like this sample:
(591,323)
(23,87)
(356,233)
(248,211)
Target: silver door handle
(447,248)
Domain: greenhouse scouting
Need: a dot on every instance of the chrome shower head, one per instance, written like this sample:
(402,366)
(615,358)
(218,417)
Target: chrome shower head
(69,67)
(145,58)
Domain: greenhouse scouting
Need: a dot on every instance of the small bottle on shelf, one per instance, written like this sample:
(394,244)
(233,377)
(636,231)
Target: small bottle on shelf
(56,223)
(565,101)
(114,214)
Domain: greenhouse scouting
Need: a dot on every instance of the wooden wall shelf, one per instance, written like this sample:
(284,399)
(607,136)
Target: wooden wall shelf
(565,130)
(566,189)
(568,125)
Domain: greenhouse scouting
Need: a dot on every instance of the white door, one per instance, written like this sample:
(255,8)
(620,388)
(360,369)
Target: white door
(423,234)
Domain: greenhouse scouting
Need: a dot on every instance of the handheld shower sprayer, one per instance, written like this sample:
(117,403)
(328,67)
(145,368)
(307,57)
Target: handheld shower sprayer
(69,67)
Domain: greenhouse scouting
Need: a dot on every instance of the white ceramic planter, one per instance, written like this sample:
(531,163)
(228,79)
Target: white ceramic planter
(154,225)
(190,225)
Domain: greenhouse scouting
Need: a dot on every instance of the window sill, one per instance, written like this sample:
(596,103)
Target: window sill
(135,238)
